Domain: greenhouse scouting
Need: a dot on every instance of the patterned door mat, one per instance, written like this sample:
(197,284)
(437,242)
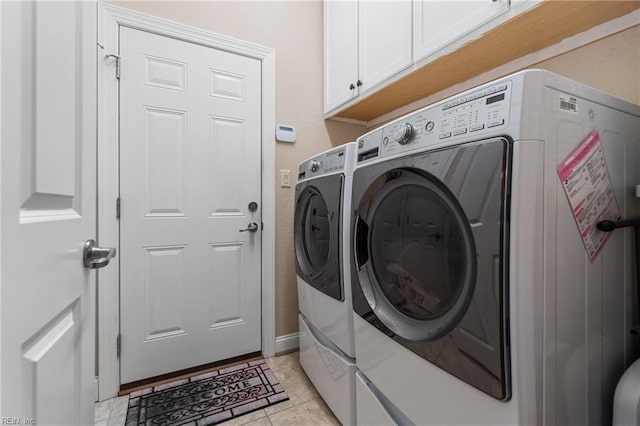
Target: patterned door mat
(208,398)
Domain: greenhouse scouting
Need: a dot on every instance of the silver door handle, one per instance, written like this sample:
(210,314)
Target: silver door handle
(252,227)
(95,257)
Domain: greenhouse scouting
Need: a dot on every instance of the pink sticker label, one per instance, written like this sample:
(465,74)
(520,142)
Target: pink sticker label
(587,185)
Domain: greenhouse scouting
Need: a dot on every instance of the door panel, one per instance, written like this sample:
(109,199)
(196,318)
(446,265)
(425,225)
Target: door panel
(227,136)
(165,291)
(164,163)
(225,299)
(190,164)
(48,211)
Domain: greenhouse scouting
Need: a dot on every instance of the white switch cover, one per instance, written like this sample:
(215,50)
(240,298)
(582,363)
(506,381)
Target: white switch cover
(285,178)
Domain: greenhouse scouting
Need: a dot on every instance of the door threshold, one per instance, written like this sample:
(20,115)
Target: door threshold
(127,388)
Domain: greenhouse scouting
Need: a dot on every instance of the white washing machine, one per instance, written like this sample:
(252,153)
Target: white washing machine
(321,239)
(482,291)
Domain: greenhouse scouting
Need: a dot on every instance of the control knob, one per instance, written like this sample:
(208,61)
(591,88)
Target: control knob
(404,134)
(315,166)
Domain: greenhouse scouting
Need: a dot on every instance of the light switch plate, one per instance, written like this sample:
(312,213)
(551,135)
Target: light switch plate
(285,178)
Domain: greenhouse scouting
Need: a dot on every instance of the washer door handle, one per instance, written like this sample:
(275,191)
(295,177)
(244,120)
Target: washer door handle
(361,252)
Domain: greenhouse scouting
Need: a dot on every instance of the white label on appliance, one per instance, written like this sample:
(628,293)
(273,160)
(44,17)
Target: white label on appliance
(568,103)
(587,184)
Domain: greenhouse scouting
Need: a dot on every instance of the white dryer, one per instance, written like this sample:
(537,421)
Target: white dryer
(321,240)
(476,298)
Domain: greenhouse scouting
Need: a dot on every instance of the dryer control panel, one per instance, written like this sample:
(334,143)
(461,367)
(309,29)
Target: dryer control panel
(469,115)
(328,162)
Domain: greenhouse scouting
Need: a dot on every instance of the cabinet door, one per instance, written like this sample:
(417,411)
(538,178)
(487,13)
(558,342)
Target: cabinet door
(438,23)
(384,40)
(340,52)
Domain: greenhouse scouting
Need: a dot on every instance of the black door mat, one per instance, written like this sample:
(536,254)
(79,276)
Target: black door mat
(208,398)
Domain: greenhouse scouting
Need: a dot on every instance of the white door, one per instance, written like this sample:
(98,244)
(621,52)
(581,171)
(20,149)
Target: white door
(190,165)
(48,203)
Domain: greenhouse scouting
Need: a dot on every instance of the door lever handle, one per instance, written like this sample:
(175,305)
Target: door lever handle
(95,257)
(252,227)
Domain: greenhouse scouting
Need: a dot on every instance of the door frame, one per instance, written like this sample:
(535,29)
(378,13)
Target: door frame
(110,19)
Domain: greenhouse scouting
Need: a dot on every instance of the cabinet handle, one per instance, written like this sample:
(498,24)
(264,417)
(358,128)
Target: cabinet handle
(351,86)
(359,83)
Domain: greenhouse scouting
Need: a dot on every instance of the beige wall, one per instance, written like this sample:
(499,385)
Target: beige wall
(611,64)
(294,30)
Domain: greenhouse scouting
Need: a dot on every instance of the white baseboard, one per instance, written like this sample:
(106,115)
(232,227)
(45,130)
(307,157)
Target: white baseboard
(287,343)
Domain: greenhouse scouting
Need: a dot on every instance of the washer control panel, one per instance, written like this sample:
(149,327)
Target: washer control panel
(323,164)
(473,113)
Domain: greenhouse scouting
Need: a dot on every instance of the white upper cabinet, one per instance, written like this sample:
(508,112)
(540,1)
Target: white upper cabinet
(437,23)
(384,40)
(369,42)
(340,52)
(408,50)
(365,42)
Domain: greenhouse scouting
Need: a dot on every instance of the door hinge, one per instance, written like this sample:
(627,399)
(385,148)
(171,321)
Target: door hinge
(118,60)
(118,208)
(118,345)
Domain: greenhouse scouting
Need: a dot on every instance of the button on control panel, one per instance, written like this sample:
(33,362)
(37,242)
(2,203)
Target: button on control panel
(466,116)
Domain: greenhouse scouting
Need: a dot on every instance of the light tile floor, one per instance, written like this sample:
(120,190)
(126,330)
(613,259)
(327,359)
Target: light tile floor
(304,407)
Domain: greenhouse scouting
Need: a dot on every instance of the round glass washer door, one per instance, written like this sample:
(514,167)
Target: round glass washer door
(415,254)
(314,236)
(316,233)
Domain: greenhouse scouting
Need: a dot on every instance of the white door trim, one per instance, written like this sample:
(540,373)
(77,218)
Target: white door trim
(1,411)
(110,18)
